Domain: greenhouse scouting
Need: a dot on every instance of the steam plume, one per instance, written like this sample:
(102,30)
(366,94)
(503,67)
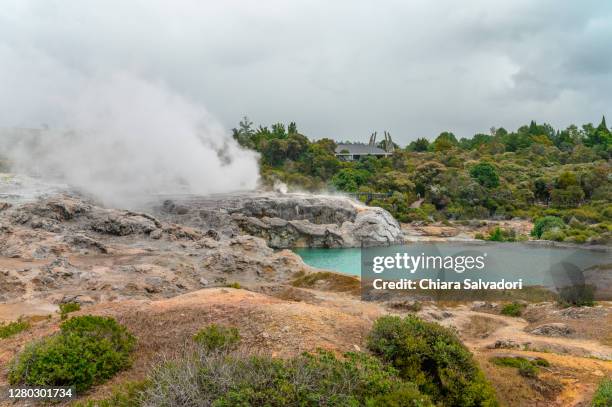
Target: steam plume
(122,138)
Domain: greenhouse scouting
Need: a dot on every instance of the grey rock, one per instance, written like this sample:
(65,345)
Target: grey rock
(79,299)
(154,284)
(124,224)
(85,242)
(288,220)
(553,329)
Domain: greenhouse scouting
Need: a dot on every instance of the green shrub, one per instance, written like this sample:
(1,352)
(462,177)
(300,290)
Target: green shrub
(235,285)
(526,367)
(407,395)
(67,308)
(513,309)
(518,361)
(13,328)
(586,214)
(319,379)
(496,235)
(575,237)
(433,357)
(555,235)
(528,370)
(545,224)
(502,235)
(579,295)
(485,174)
(217,337)
(541,362)
(124,395)
(603,395)
(87,350)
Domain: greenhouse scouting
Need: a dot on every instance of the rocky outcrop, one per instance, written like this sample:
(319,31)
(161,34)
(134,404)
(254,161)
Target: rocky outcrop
(287,220)
(66,245)
(123,224)
(103,254)
(553,329)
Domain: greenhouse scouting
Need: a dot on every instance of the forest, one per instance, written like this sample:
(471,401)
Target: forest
(560,179)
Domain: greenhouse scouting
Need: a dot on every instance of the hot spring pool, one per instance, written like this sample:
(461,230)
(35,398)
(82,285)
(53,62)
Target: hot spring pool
(534,263)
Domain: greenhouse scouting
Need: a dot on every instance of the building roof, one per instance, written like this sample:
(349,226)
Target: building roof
(359,149)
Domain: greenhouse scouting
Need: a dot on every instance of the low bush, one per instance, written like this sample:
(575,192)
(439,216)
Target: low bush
(433,357)
(603,395)
(579,295)
(518,361)
(555,235)
(496,235)
(216,337)
(126,394)
(528,370)
(503,235)
(545,224)
(87,350)
(526,367)
(319,379)
(13,328)
(514,309)
(67,308)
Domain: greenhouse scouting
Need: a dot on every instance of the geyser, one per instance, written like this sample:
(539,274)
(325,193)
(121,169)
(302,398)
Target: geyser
(122,138)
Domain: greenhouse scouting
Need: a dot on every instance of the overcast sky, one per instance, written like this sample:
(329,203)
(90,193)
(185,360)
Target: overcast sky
(339,68)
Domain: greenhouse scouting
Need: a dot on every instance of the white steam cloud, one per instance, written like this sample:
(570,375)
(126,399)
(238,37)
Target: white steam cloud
(116,136)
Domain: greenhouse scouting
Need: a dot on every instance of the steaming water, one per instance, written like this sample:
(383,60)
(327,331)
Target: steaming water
(19,188)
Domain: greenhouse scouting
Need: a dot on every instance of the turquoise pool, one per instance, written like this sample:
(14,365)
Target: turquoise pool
(346,261)
(537,264)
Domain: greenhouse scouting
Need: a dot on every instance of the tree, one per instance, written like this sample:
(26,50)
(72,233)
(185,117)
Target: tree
(485,174)
(569,197)
(445,141)
(273,151)
(319,160)
(566,179)
(350,179)
(475,142)
(292,128)
(395,181)
(278,131)
(599,136)
(542,188)
(244,133)
(419,145)
(426,175)
(297,145)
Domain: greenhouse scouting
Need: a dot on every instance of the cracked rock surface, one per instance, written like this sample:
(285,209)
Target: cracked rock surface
(286,220)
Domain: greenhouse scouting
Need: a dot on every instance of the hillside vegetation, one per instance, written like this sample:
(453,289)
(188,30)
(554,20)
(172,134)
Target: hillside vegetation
(531,173)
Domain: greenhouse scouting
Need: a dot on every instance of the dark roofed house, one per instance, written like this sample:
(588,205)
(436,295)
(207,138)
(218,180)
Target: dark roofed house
(354,151)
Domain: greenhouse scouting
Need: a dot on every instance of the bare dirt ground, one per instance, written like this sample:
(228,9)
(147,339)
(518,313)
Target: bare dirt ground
(339,322)
(267,324)
(577,364)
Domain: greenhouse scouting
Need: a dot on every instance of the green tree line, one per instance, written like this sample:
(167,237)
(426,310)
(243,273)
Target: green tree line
(531,172)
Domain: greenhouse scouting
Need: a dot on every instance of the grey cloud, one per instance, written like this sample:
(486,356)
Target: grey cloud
(344,68)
